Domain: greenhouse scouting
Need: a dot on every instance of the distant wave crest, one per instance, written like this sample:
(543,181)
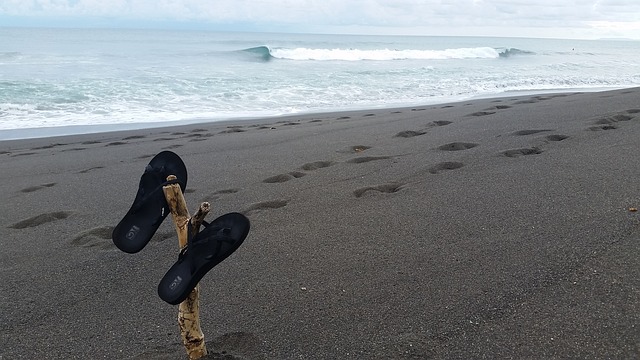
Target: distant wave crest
(265,53)
(513,51)
(262,53)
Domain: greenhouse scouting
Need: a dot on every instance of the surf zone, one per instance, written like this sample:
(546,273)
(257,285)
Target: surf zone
(266,53)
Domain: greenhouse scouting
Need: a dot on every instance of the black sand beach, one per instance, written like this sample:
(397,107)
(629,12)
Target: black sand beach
(493,228)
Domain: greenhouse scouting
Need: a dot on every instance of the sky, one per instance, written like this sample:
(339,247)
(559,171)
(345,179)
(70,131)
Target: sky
(571,19)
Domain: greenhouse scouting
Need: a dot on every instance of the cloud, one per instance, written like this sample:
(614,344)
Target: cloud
(621,15)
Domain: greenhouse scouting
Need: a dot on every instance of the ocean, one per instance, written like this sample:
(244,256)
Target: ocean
(83,80)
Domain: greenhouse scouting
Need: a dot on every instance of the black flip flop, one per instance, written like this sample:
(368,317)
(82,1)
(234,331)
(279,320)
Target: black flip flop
(210,247)
(150,207)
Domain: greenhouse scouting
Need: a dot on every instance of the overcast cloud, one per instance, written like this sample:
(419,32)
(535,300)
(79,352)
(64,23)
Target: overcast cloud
(544,18)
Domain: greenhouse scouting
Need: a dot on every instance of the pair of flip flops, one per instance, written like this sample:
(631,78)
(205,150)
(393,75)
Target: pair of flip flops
(208,248)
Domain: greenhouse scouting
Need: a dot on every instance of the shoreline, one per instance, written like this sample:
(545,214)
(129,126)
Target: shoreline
(57,131)
(488,228)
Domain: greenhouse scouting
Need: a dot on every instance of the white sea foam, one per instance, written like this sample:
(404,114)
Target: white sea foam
(117,77)
(384,54)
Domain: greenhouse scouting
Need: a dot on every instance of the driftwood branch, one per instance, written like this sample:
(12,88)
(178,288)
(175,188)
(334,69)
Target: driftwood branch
(178,208)
(198,217)
(188,310)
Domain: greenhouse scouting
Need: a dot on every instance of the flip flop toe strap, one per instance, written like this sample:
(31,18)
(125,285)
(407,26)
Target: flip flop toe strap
(152,194)
(204,250)
(219,240)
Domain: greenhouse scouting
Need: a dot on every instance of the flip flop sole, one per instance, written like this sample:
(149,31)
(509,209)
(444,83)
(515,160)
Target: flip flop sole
(209,248)
(150,207)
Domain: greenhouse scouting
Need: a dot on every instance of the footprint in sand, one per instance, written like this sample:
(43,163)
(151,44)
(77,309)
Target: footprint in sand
(50,146)
(497,107)
(96,237)
(613,119)
(41,219)
(521,152)
(527,101)
(316,165)
(284,177)
(232,131)
(457,146)
(116,143)
(482,113)
(441,123)
(217,194)
(529,132)
(445,166)
(227,191)
(37,187)
(191,136)
(556,137)
(134,137)
(383,188)
(266,205)
(409,133)
(603,127)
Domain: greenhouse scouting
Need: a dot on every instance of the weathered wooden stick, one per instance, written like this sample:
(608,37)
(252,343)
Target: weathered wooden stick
(178,208)
(188,310)
(198,218)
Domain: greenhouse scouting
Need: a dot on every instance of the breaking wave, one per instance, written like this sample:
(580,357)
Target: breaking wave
(262,53)
(266,53)
(513,52)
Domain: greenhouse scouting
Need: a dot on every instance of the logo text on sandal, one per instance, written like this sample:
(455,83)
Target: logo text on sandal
(175,283)
(131,234)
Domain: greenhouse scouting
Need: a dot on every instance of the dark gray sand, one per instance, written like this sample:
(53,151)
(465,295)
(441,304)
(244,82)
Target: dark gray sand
(497,228)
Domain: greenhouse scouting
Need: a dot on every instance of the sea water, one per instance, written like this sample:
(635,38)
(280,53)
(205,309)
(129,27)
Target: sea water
(75,78)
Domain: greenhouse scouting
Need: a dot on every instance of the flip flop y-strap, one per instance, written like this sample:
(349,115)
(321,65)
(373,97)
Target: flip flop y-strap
(155,173)
(204,250)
